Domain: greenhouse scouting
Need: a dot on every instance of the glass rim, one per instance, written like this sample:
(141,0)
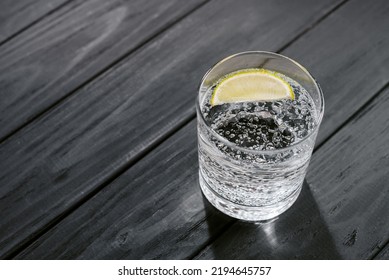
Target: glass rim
(260,152)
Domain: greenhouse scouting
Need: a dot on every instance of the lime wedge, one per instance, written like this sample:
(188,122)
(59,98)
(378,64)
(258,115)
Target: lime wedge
(251,85)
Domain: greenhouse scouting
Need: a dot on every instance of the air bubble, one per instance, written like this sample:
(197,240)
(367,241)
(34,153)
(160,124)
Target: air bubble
(263,125)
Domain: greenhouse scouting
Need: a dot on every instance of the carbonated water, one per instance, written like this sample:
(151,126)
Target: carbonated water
(250,165)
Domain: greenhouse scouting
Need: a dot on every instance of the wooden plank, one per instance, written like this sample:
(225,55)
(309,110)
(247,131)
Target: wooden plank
(296,234)
(353,234)
(348,55)
(348,181)
(156,210)
(147,214)
(18,15)
(69,47)
(144,214)
(62,158)
(353,193)
(383,254)
(299,233)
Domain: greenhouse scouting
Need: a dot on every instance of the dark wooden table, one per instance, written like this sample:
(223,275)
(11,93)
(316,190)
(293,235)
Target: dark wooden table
(98,151)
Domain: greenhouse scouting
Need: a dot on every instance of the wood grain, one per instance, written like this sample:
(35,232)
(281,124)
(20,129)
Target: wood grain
(348,54)
(18,15)
(72,45)
(61,159)
(383,254)
(150,212)
(358,229)
(349,181)
(317,226)
(155,209)
(348,185)
(299,233)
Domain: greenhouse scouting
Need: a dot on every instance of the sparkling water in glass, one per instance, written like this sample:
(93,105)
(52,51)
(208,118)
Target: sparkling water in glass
(253,156)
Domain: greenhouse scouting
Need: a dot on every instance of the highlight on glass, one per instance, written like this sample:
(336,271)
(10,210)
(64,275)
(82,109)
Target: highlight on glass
(258,114)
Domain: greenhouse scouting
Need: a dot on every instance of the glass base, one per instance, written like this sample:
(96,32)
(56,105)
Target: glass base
(247,213)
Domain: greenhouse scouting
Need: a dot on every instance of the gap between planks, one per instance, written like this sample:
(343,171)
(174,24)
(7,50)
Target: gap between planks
(125,167)
(355,114)
(149,149)
(103,70)
(380,249)
(129,53)
(31,24)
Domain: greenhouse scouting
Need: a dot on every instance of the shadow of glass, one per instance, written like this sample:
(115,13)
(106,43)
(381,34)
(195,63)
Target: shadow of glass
(299,233)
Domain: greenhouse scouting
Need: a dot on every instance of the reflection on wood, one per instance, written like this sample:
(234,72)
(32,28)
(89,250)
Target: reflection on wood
(65,173)
(71,46)
(16,16)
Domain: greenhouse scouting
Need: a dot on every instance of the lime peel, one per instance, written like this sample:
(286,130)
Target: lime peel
(251,85)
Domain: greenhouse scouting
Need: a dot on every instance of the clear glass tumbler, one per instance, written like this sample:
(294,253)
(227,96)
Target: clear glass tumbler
(242,180)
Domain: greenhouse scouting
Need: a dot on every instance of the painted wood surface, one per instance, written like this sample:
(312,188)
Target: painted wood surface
(57,55)
(348,54)
(153,212)
(16,16)
(70,47)
(349,193)
(156,210)
(312,228)
(65,162)
(384,254)
(78,147)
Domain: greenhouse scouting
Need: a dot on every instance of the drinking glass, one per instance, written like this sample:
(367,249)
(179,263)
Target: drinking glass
(257,184)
